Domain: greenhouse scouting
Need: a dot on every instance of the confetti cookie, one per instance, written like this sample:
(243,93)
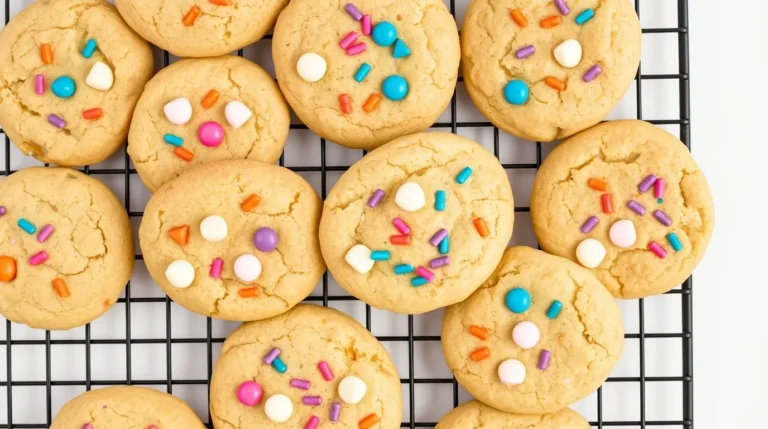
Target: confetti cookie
(190,28)
(235,240)
(474,414)
(71,72)
(419,223)
(626,200)
(310,367)
(123,407)
(361,74)
(540,334)
(546,69)
(211,109)
(66,248)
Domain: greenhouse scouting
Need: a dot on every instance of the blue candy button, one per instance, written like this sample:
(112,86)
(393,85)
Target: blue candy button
(518,300)
(395,87)
(63,87)
(516,92)
(384,33)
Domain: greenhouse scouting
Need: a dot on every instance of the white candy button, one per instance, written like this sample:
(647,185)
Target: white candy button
(178,111)
(526,335)
(278,408)
(100,77)
(311,67)
(568,53)
(512,372)
(213,228)
(359,258)
(352,390)
(180,274)
(410,197)
(237,114)
(590,253)
(623,233)
(247,268)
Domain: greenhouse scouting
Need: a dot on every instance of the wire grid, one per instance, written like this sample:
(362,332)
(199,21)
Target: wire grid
(410,381)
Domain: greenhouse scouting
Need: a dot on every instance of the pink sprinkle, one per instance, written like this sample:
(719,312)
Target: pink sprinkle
(401,226)
(325,370)
(87,426)
(658,188)
(348,39)
(313,422)
(38,258)
(44,233)
(300,384)
(657,249)
(429,275)
(312,400)
(367,25)
(39,84)
(356,49)
(216,267)
(152,427)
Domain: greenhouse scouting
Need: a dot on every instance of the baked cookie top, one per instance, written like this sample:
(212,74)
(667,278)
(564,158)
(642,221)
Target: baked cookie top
(202,110)
(627,200)
(123,407)
(71,72)
(66,248)
(309,366)
(476,415)
(235,240)
(188,28)
(419,223)
(540,334)
(363,73)
(546,69)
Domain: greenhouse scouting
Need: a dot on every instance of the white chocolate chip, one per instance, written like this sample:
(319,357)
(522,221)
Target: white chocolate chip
(278,408)
(213,228)
(237,114)
(247,268)
(410,197)
(352,390)
(568,53)
(623,234)
(311,67)
(590,253)
(178,111)
(512,372)
(100,77)
(180,274)
(526,335)
(359,258)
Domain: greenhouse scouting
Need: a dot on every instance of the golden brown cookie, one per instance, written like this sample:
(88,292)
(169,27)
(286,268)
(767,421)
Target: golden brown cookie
(626,199)
(476,415)
(542,72)
(539,335)
(71,72)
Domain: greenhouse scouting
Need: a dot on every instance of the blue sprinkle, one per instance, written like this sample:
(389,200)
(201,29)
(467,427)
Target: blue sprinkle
(518,300)
(445,246)
(674,241)
(362,72)
(384,33)
(400,50)
(27,226)
(585,16)
(279,365)
(464,175)
(440,201)
(173,140)
(516,92)
(554,309)
(418,281)
(380,255)
(403,269)
(89,48)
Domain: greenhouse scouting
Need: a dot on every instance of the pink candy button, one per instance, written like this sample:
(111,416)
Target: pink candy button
(249,393)
(211,134)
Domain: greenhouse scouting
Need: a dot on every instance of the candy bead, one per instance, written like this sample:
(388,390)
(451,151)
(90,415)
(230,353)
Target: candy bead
(371,103)
(278,408)
(662,217)
(512,372)
(347,41)
(400,50)
(247,268)
(191,16)
(380,255)
(479,332)
(180,274)
(597,184)
(518,17)
(590,224)
(366,25)
(674,242)
(554,309)
(46,53)
(237,114)
(440,262)
(178,111)
(418,281)
(584,16)
(647,183)
(395,87)
(636,207)
(445,246)
(100,77)
(555,83)
(590,253)
(209,99)
(89,49)
(368,422)
(44,233)
(410,197)
(39,84)
(568,54)
(335,411)
(481,227)
(272,355)
(518,300)
(300,383)
(525,52)
(249,393)
(438,237)
(362,72)
(526,335)
(56,121)
(250,203)
(213,228)
(423,272)
(464,175)
(384,33)
(279,366)
(657,249)
(216,267)
(544,359)
(401,226)
(592,73)
(658,188)
(265,239)
(249,292)
(63,87)
(440,201)
(376,198)
(352,389)
(353,12)
(551,21)
(346,104)
(210,133)
(516,92)
(480,354)
(7,269)
(606,201)
(562,7)
(183,154)
(359,258)
(60,287)
(400,239)
(623,234)
(27,226)
(325,370)
(312,400)
(357,49)
(403,269)
(173,140)
(91,114)
(313,423)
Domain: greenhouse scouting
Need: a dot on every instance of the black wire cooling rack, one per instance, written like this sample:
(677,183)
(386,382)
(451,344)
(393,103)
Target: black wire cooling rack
(685,293)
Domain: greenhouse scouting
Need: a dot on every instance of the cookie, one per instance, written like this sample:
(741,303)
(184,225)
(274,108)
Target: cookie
(126,407)
(309,366)
(361,74)
(203,110)
(544,70)
(235,240)
(475,415)
(189,28)
(540,334)
(66,250)
(71,72)
(627,200)
(419,223)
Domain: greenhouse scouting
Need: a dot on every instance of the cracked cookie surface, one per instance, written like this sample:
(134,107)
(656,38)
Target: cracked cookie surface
(623,153)
(127,407)
(433,161)
(261,138)
(218,30)
(288,204)
(426,26)
(66,25)
(305,335)
(91,247)
(490,39)
(476,415)
(585,339)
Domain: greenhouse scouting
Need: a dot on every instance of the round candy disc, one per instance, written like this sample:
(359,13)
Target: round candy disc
(278,408)
(210,133)
(311,67)
(384,33)
(265,239)
(359,258)
(395,87)
(213,228)
(568,53)
(7,268)
(512,372)
(526,335)
(178,111)
(249,393)
(590,253)
(180,274)
(63,87)
(516,92)
(237,114)
(410,197)
(100,77)
(518,300)
(247,268)
(352,389)
(623,234)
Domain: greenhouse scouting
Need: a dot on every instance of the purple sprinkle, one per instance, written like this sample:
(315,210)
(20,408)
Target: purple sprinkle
(300,384)
(590,224)
(562,7)
(440,262)
(335,411)
(2,210)
(375,198)
(353,12)
(438,237)
(44,233)
(271,356)
(662,217)
(592,73)
(312,400)
(525,52)
(56,121)
(544,359)
(636,207)
(647,183)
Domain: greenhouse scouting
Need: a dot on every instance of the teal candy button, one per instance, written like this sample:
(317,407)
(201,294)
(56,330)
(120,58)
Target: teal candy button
(516,92)
(384,33)
(395,87)
(63,87)
(518,300)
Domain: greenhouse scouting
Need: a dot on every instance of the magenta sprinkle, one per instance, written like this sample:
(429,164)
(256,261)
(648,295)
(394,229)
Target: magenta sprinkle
(562,7)
(590,224)
(525,52)
(658,188)
(657,249)
(375,198)
(87,426)
(325,370)
(313,422)
(312,400)
(662,217)
(2,210)
(438,237)
(38,258)
(300,384)
(401,226)
(56,121)
(356,49)
(348,39)
(367,25)
(44,233)
(636,207)
(216,267)
(335,411)
(440,262)
(647,183)
(271,356)
(544,359)
(353,12)
(39,84)
(592,73)
(423,272)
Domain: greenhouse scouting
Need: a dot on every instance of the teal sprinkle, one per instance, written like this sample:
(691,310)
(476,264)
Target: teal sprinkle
(418,281)
(585,16)
(660,200)
(674,242)
(362,72)
(403,269)
(464,175)
(279,366)
(554,309)
(440,201)
(27,226)
(173,140)
(89,48)
(445,246)
(380,255)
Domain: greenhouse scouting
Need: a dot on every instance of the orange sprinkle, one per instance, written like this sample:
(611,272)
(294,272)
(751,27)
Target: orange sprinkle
(107,304)
(7,268)
(368,421)
(220,2)
(95,113)
(180,235)
(607,202)
(372,103)
(480,354)
(46,53)
(210,98)
(183,154)
(400,239)
(479,332)
(346,104)
(250,203)
(61,288)
(549,22)
(555,83)
(597,184)
(481,227)
(191,16)
(251,292)
(518,17)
